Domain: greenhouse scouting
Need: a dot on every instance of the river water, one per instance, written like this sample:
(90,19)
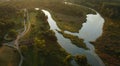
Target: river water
(90,31)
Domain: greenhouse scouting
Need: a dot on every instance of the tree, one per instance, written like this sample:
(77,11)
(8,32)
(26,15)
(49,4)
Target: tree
(68,58)
(41,16)
(39,43)
(81,60)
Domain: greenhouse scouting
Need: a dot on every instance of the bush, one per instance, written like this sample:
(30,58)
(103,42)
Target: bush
(81,60)
(68,58)
(41,16)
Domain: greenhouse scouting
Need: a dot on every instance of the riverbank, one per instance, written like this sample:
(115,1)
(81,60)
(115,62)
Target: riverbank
(72,18)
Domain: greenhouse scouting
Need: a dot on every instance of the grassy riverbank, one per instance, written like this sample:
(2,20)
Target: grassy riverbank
(68,17)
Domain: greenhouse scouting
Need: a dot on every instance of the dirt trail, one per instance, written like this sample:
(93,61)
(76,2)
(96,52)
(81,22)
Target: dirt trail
(15,44)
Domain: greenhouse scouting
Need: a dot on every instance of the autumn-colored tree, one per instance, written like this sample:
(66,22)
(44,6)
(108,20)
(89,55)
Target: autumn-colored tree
(81,60)
(39,43)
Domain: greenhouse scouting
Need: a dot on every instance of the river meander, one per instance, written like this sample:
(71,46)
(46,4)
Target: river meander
(90,31)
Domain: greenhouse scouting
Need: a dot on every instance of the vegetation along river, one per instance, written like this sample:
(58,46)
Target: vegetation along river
(90,31)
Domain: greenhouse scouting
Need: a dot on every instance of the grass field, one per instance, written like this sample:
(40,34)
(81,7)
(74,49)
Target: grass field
(8,56)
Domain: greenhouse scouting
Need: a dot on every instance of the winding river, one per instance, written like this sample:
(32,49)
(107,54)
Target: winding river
(90,31)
